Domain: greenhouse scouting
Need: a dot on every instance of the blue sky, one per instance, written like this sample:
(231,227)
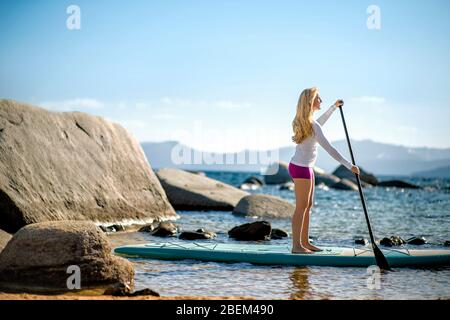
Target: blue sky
(226,75)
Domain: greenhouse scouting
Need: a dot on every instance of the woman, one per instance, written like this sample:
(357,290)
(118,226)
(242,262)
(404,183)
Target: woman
(307,135)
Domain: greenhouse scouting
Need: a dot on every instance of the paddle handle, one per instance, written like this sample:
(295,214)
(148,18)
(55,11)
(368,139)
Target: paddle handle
(372,239)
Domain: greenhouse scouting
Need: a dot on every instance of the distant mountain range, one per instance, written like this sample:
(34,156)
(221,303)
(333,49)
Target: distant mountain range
(375,157)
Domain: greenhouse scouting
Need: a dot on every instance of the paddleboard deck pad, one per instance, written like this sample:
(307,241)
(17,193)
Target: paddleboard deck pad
(281,254)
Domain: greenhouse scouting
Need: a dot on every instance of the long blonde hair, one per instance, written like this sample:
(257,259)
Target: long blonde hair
(304,116)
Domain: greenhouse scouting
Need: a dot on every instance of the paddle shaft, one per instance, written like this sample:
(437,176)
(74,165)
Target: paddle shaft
(380,258)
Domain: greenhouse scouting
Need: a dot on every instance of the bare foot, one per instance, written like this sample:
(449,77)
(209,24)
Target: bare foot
(309,246)
(301,250)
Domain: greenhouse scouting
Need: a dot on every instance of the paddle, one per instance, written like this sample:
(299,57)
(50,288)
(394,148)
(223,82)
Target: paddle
(379,257)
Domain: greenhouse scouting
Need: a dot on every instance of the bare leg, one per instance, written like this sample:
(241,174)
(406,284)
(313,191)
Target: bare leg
(305,228)
(302,194)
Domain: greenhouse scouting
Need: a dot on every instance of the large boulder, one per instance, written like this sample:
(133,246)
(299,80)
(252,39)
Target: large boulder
(188,191)
(343,173)
(264,206)
(72,166)
(39,255)
(4,238)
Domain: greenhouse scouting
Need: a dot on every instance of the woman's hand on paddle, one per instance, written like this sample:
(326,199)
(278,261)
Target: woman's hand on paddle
(339,103)
(355,169)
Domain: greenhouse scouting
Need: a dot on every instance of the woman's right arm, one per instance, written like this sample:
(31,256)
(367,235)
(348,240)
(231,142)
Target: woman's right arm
(323,141)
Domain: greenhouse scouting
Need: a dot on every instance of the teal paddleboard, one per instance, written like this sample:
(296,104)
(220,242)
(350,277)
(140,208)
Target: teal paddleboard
(281,254)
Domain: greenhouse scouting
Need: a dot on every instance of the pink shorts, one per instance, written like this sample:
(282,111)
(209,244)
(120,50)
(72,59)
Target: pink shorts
(296,171)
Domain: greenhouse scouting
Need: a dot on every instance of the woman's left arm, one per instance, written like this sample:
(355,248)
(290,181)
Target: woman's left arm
(324,117)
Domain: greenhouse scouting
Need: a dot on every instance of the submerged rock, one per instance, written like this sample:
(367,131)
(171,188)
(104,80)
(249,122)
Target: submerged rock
(278,234)
(122,293)
(361,241)
(164,229)
(188,191)
(72,166)
(197,235)
(42,257)
(264,205)
(112,228)
(258,230)
(398,184)
(144,292)
(392,241)
(147,228)
(416,241)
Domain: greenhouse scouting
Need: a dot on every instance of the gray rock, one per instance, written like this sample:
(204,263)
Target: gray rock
(398,184)
(144,292)
(4,238)
(118,292)
(112,228)
(277,173)
(343,173)
(392,241)
(188,191)
(254,180)
(148,228)
(165,229)
(264,205)
(72,166)
(278,234)
(361,241)
(37,258)
(252,183)
(197,235)
(345,184)
(416,241)
(258,230)
(118,227)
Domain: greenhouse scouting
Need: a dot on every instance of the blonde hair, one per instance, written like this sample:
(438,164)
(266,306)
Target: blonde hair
(302,124)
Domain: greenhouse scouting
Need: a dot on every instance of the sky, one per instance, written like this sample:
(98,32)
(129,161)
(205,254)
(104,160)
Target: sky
(226,75)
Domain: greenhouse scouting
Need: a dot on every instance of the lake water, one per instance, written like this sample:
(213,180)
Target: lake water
(336,218)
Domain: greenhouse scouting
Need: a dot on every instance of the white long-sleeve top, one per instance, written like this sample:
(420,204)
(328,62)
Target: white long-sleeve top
(306,151)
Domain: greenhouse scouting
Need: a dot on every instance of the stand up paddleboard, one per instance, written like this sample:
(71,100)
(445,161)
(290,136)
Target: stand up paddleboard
(281,254)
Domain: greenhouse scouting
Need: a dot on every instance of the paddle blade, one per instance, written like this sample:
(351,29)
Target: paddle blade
(381,259)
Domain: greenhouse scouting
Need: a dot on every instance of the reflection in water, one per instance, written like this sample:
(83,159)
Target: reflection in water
(301,286)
